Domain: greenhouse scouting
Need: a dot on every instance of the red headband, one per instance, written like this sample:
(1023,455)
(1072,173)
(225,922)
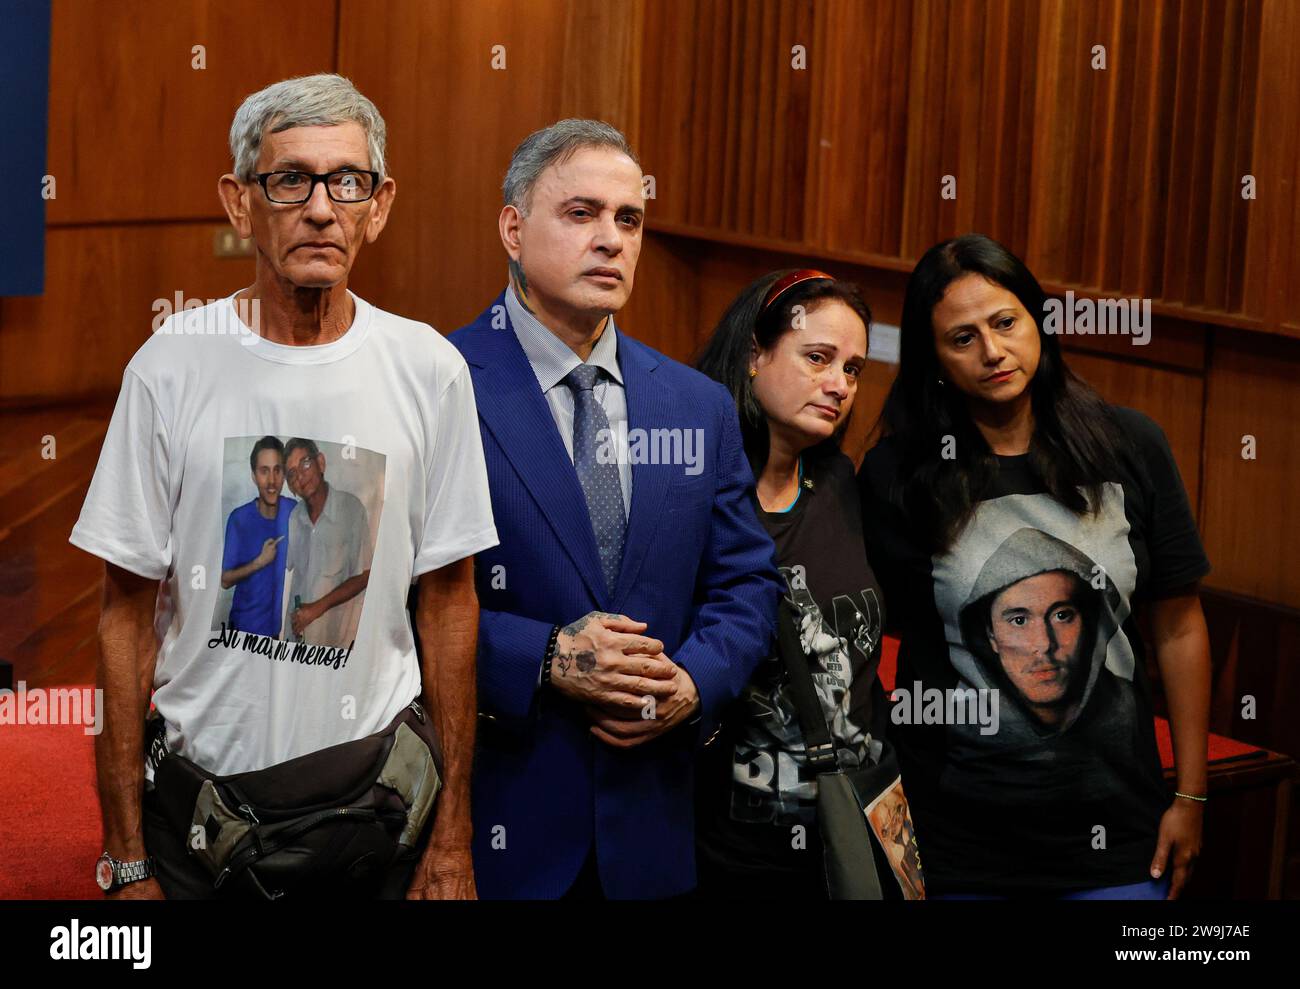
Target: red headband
(789,281)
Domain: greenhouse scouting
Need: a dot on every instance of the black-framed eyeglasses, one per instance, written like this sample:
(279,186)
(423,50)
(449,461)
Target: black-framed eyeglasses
(347,186)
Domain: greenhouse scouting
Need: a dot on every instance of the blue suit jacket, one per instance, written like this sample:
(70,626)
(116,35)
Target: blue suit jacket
(697,568)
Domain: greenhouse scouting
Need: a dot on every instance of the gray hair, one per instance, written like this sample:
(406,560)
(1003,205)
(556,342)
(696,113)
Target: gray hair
(299,443)
(305,101)
(553,145)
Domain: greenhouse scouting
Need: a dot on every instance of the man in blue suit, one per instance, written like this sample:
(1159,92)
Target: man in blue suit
(633,590)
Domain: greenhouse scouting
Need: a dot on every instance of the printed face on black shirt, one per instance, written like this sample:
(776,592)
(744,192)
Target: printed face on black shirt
(1030,624)
(1035,630)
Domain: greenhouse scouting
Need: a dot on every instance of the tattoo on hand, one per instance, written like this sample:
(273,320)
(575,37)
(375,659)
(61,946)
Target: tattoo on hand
(584,660)
(576,627)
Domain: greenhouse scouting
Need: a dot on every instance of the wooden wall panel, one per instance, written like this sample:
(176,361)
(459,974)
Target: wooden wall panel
(1172,343)
(1250,522)
(860,127)
(607,87)
(137,133)
(663,143)
(1134,185)
(973,76)
(101,283)
(1272,266)
(1118,179)
(1122,180)
(1144,167)
(454,120)
(726,115)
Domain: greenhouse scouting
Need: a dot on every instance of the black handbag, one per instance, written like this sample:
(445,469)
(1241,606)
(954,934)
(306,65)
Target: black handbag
(853,853)
(328,823)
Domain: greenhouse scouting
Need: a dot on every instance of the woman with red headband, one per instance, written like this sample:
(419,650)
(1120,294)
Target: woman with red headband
(790,350)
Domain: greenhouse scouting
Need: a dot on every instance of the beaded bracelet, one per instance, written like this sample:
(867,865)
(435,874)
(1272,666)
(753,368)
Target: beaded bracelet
(550,653)
(1188,796)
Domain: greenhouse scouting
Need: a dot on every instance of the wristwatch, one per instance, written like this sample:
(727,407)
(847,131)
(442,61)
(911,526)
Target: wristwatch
(112,875)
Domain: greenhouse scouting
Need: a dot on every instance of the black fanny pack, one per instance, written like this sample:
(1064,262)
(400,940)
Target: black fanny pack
(329,823)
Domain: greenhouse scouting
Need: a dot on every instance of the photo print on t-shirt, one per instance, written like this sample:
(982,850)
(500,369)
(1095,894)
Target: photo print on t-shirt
(771,781)
(300,517)
(1034,600)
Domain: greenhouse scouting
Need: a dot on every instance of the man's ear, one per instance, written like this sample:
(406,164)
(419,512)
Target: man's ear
(379,208)
(508,225)
(321,466)
(234,197)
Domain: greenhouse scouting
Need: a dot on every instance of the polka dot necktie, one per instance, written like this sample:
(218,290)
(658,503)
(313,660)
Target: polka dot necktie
(597,474)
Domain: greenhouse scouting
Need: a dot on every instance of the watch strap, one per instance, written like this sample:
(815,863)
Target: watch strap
(125,873)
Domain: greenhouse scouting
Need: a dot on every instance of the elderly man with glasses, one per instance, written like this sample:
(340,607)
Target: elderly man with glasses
(297,724)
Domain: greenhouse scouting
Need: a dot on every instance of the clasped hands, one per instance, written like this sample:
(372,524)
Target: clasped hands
(631,691)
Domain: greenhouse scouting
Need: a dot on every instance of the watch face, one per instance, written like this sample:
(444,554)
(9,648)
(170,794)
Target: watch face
(104,874)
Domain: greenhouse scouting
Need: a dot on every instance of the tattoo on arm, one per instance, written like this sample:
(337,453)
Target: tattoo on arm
(586,661)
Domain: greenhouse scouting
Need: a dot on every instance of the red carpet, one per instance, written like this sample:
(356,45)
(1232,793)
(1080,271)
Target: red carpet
(50,832)
(49,813)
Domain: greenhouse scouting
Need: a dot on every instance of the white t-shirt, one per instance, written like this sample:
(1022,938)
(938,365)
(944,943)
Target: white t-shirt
(390,405)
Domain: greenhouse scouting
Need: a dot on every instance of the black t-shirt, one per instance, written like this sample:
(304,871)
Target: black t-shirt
(1022,711)
(754,785)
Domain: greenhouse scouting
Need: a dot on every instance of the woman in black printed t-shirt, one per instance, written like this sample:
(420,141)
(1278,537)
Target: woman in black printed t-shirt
(790,349)
(1017,522)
